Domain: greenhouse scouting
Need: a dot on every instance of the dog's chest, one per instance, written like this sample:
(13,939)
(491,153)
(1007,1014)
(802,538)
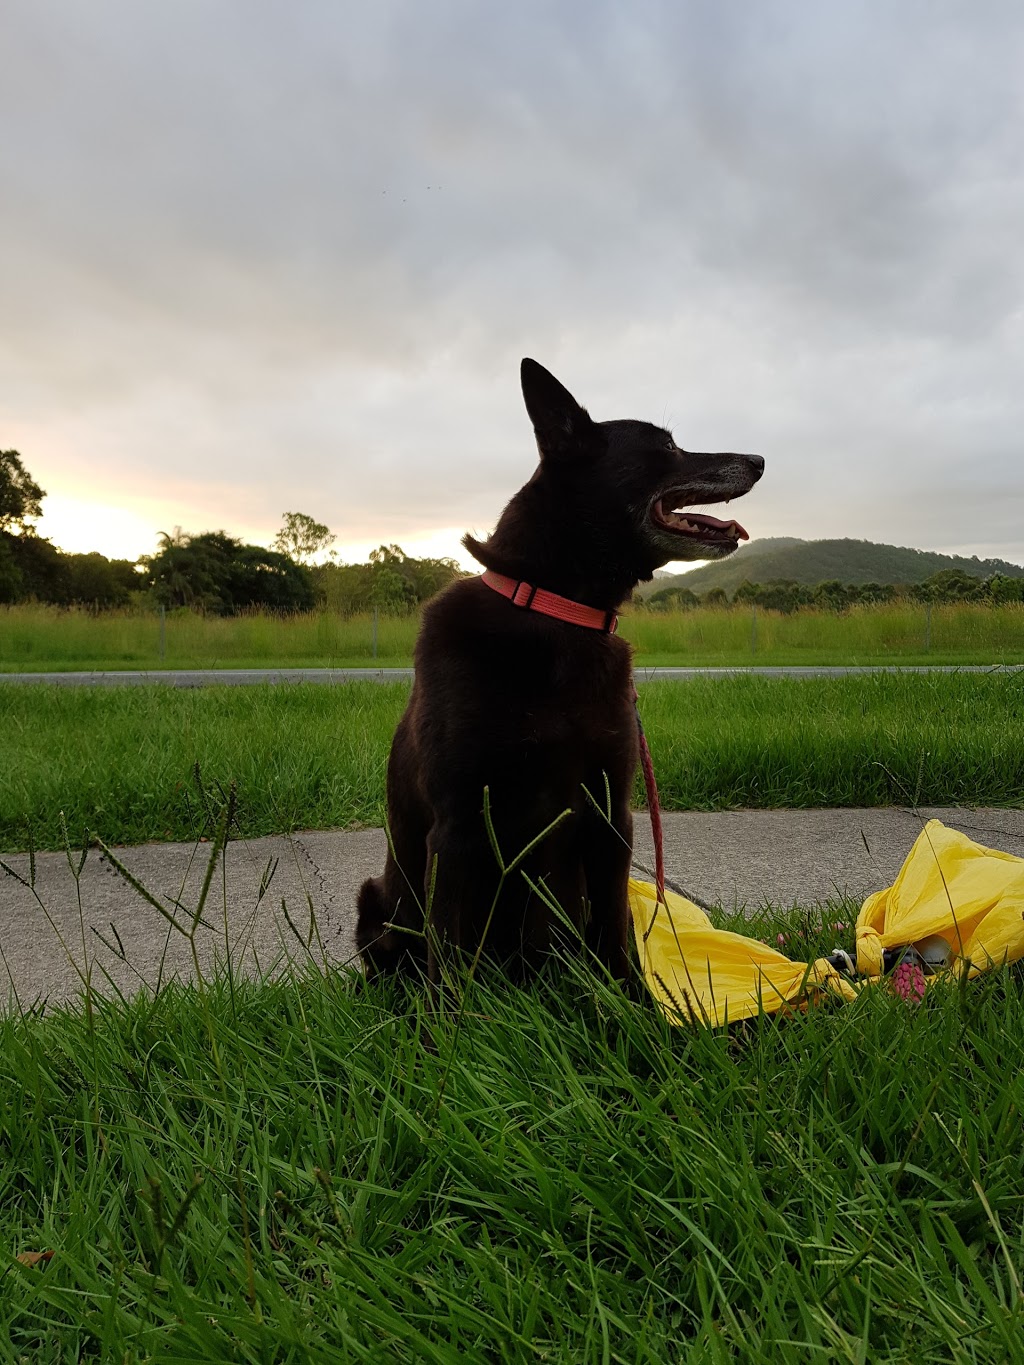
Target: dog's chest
(576,697)
(494,674)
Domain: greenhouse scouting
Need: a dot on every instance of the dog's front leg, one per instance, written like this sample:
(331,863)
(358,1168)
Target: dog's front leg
(461,883)
(607,854)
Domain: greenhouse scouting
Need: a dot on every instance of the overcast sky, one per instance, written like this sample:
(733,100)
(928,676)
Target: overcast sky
(259,257)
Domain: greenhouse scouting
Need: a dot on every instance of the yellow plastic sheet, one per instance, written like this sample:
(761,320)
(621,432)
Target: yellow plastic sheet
(709,975)
(971,896)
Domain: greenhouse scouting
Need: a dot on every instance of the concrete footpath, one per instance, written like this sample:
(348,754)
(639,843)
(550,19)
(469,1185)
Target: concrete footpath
(278,898)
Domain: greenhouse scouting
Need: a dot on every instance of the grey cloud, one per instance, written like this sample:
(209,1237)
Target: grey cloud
(241,237)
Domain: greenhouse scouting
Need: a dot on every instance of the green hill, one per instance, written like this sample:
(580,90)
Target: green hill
(816,561)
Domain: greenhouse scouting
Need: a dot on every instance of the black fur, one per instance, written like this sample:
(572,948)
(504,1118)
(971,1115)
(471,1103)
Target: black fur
(536,710)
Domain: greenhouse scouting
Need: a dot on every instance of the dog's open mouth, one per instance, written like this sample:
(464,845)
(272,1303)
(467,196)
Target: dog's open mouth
(695,525)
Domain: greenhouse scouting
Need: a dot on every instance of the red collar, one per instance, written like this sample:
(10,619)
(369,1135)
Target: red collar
(522,594)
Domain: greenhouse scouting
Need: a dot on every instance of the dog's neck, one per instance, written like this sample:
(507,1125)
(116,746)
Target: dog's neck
(548,547)
(581,575)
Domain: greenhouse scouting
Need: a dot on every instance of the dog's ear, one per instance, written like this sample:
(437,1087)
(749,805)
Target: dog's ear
(563,428)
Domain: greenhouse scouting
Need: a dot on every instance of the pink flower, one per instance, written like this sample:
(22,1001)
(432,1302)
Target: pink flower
(908,982)
(781,939)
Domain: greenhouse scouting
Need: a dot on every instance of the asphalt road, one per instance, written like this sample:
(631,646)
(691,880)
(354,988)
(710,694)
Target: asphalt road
(282,898)
(241,677)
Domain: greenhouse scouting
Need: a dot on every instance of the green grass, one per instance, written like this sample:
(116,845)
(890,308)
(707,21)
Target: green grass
(119,762)
(962,633)
(305,1171)
(39,638)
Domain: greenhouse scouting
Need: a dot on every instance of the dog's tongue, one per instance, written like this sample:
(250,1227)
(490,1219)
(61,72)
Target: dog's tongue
(701,521)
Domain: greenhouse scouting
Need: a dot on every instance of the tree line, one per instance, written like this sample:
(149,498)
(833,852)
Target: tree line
(786,595)
(209,572)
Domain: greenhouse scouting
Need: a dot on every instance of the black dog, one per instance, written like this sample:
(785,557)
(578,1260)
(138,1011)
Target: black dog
(536,709)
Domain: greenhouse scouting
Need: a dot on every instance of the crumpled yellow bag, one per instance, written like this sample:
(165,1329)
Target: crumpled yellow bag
(971,896)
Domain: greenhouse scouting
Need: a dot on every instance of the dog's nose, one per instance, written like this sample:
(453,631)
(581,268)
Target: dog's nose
(758,463)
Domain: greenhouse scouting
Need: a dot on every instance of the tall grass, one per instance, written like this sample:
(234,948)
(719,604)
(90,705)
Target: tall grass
(301,1170)
(43,638)
(119,761)
(887,633)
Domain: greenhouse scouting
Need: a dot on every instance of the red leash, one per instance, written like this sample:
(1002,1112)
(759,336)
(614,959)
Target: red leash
(524,595)
(653,804)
